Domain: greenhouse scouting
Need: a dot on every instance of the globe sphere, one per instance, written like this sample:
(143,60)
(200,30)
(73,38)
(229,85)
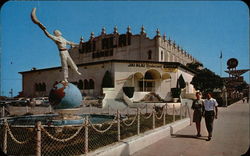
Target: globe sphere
(65,95)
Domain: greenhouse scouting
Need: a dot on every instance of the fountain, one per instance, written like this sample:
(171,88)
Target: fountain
(64,97)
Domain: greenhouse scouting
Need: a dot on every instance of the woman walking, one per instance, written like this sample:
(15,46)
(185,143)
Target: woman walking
(198,108)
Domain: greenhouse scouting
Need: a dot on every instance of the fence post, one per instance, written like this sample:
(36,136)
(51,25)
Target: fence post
(38,138)
(164,115)
(138,121)
(5,137)
(86,147)
(181,110)
(153,118)
(27,109)
(173,113)
(189,115)
(118,126)
(50,109)
(186,110)
(90,108)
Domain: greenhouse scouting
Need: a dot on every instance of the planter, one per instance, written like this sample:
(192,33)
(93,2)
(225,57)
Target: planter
(176,92)
(175,100)
(129,91)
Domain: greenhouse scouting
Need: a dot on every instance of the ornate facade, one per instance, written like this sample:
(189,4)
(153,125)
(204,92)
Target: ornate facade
(121,60)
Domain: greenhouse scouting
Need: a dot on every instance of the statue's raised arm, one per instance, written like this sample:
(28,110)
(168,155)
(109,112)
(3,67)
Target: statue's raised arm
(61,44)
(35,20)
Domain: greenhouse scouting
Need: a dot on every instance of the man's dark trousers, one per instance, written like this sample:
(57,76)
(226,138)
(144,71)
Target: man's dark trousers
(209,119)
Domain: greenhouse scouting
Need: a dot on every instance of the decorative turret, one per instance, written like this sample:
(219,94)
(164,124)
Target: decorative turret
(169,40)
(158,32)
(81,39)
(174,45)
(128,30)
(185,52)
(142,30)
(92,35)
(164,37)
(115,30)
(103,31)
(178,47)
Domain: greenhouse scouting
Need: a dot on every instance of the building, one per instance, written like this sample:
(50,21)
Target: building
(118,61)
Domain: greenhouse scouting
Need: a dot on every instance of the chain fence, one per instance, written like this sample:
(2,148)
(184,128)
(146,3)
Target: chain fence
(88,136)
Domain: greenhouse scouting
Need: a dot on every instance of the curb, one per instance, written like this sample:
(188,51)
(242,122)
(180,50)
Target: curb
(133,144)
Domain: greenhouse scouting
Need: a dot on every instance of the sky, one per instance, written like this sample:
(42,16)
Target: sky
(202,28)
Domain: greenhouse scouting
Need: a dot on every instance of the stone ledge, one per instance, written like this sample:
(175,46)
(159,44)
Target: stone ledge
(133,144)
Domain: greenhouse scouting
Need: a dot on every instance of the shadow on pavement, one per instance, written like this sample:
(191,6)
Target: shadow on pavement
(188,136)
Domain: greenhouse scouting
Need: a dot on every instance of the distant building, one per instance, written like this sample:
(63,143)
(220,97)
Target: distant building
(117,61)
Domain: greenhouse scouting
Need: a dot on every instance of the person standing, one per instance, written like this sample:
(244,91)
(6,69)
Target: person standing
(211,112)
(198,108)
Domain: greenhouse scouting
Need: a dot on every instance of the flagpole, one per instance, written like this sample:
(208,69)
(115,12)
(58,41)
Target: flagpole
(220,63)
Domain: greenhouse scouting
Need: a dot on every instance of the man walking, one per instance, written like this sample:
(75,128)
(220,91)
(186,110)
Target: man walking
(211,112)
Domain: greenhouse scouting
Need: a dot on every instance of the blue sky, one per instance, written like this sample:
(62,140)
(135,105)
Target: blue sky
(203,28)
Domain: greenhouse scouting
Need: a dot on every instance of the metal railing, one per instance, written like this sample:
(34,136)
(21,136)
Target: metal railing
(77,140)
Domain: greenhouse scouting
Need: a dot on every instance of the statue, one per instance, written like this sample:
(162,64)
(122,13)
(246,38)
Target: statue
(62,46)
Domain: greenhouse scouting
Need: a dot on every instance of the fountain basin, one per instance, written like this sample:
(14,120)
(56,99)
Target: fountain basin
(56,120)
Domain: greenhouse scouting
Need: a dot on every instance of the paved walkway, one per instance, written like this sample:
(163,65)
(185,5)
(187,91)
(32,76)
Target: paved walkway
(230,137)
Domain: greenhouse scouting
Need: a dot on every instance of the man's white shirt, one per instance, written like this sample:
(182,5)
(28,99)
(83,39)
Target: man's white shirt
(209,104)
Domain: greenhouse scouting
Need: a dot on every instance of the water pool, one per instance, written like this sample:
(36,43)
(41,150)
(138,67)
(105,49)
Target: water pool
(52,120)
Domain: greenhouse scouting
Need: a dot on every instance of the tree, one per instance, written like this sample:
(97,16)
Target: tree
(206,81)
(242,86)
(107,81)
(196,66)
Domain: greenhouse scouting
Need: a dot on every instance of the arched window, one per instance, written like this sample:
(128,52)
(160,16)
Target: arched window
(80,84)
(148,76)
(86,84)
(149,54)
(91,84)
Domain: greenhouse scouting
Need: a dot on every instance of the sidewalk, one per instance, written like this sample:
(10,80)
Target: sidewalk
(230,137)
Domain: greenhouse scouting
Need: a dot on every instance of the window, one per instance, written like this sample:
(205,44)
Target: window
(149,54)
(149,76)
(122,40)
(91,84)
(148,86)
(80,84)
(86,84)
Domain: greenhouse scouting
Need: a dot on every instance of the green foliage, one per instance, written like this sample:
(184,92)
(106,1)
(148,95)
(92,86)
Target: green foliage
(242,86)
(207,81)
(195,66)
(176,92)
(107,81)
